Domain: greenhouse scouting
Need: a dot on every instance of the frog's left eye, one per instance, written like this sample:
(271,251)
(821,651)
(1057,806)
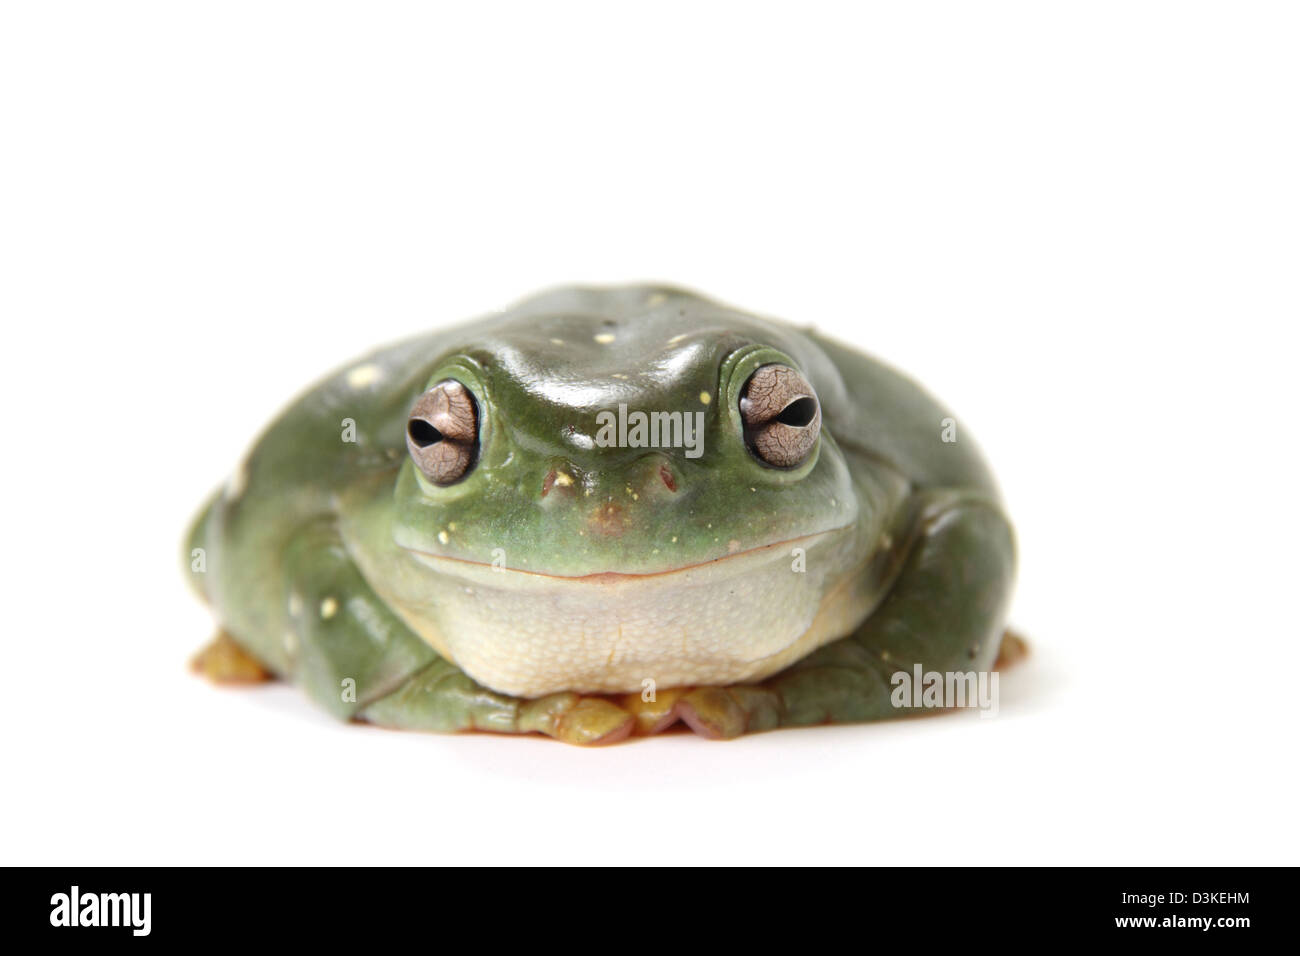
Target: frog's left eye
(782,416)
(442,432)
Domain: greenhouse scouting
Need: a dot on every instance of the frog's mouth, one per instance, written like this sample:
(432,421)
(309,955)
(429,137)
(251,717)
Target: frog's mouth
(734,618)
(447,564)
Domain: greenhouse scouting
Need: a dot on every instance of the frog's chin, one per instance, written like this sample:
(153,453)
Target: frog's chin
(736,618)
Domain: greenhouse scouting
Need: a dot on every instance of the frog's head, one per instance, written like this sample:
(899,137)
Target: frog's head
(600,448)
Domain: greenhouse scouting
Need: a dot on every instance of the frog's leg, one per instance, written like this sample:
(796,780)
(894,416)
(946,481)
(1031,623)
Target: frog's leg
(359,660)
(944,612)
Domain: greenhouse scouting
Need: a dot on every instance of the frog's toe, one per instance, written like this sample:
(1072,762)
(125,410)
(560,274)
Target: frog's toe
(657,715)
(1012,651)
(722,713)
(585,721)
(712,712)
(223,661)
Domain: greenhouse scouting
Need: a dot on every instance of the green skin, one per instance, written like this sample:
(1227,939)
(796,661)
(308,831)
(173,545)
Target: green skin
(912,522)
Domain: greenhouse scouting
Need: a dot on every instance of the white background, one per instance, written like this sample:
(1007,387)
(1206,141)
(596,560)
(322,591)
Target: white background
(1077,224)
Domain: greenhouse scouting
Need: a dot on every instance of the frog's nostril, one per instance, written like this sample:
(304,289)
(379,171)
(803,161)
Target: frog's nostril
(422,433)
(666,476)
(556,478)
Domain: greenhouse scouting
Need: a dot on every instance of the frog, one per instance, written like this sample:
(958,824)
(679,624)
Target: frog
(605,512)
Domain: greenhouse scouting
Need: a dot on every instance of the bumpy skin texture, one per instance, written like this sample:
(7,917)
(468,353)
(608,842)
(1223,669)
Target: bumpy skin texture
(336,563)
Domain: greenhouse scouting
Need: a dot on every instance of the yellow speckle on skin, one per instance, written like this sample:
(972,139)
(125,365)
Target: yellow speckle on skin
(674,539)
(328,608)
(619,375)
(676,338)
(563,479)
(290,641)
(557,341)
(656,298)
(295,605)
(443,537)
(603,338)
(451,526)
(363,375)
(705,398)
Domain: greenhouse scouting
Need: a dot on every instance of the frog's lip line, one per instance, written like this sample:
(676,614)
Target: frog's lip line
(611,577)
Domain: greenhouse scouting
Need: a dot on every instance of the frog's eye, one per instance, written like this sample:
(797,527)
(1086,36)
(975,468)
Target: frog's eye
(442,432)
(781,414)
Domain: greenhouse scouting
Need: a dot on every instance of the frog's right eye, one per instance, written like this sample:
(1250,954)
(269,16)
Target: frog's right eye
(442,432)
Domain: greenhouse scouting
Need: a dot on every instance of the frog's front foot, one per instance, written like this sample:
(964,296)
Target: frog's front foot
(718,713)
(443,698)
(574,719)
